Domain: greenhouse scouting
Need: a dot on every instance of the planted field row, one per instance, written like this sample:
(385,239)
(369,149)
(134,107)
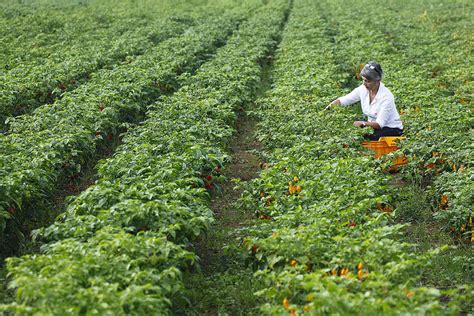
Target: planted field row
(54,142)
(440,132)
(435,108)
(18,20)
(35,31)
(119,248)
(26,42)
(39,68)
(325,242)
(443,44)
(50,33)
(30,85)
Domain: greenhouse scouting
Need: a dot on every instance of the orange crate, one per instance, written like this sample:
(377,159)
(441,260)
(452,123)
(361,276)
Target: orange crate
(391,140)
(386,145)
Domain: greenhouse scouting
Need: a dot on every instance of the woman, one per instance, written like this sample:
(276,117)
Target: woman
(378,104)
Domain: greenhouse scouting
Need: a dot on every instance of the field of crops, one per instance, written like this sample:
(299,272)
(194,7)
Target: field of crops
(126,187)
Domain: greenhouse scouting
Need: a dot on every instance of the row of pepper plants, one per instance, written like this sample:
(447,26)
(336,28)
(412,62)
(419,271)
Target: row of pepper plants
(52,144)
(440,135)
(120,246)
(42,80)
(428,67)
(31,36)
(32,32)
(325,241)
(442,44)
(45,22)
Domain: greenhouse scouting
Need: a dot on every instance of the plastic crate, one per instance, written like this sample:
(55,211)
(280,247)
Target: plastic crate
(391,140)
(386,145)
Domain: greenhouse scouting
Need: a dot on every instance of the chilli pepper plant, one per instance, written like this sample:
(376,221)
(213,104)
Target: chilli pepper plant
(38,70)
(52,143)
(326,241)
(167,79)
(428,66)
(121,242)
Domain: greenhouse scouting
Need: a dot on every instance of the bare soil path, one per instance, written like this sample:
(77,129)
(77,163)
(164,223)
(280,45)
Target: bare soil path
(225,283)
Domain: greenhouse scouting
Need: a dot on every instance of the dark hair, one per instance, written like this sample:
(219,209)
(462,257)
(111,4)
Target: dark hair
(372,71)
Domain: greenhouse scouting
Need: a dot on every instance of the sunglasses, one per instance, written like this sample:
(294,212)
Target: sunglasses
(373,68)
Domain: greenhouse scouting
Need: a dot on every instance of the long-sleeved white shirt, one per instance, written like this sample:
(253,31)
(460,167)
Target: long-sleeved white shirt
(382,109)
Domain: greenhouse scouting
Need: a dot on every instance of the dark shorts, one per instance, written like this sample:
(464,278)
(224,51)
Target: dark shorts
(385,131)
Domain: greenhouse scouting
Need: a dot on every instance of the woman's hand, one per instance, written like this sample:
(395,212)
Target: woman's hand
(374,125)
(335,102)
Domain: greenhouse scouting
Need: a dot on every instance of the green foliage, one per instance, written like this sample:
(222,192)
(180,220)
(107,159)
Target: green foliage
(56,59)
(114,273)
(326,242)
(428,66)
(63,136)
(151,192)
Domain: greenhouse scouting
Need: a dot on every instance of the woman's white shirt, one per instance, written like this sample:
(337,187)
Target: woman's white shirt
(382,109)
